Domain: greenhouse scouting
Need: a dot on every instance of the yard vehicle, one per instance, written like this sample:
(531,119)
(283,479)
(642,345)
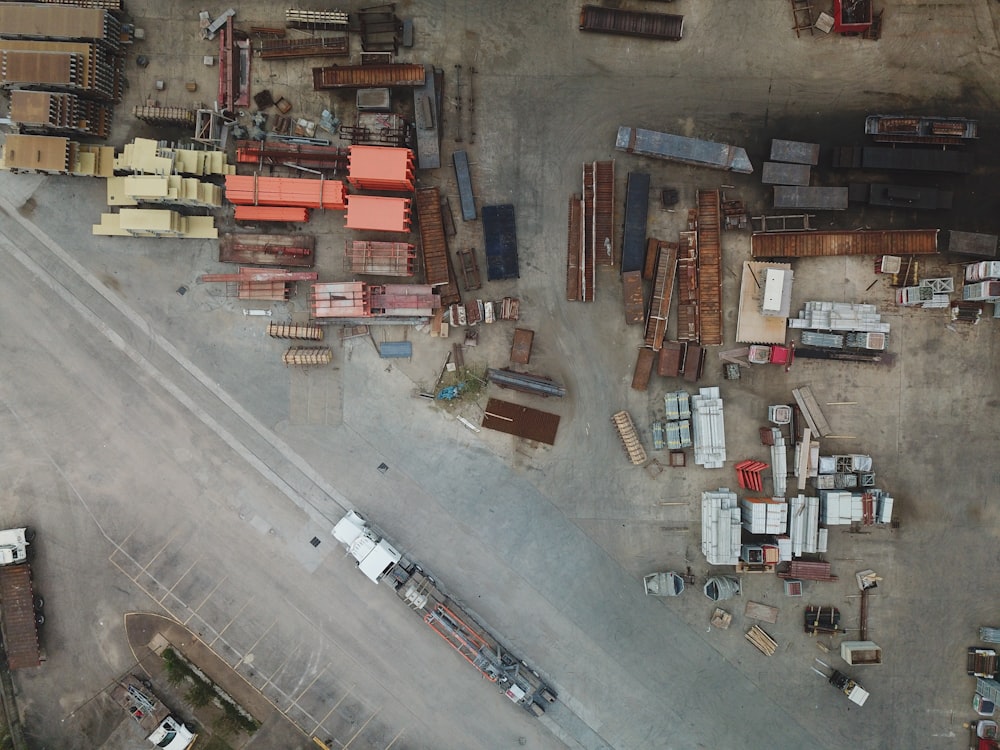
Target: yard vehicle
(849,687)
(378,559)
(20,607)
(162,729)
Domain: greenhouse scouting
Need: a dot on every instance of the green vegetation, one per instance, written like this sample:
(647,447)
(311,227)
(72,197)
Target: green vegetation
(470,382)
(200,693)
(213,742)
(177,671)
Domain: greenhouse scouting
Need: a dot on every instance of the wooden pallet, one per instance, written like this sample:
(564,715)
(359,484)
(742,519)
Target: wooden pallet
(762,641)
(630,438)
(761,612)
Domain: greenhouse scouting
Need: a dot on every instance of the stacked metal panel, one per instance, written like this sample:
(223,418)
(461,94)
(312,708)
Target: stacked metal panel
(839,316)
(146,156)
(803,527)
(709,429)
(839,508)
(779,464)
(721,529)
(764,515)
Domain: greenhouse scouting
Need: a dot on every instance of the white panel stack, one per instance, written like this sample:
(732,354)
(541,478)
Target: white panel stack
(779,466)
(784,549)
(720,527)
(803,526)
(709,429)
(764,515)
(885,509)
(839,316)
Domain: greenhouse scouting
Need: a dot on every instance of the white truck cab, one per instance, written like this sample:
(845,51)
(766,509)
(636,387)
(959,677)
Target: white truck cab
(375,556)
(13,546)
(172,735)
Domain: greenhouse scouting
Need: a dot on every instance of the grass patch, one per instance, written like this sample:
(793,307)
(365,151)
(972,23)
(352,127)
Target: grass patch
(213,742)
(471,382)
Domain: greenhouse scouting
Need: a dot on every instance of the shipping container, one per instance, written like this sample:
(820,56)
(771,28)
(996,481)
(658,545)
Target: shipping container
(636,214)
(500,234)
(643,369)
(632,293)
(664,26)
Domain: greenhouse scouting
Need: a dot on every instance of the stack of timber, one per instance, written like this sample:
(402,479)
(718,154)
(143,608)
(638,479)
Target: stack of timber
(761,640)
(114,6)
(808,571)
(165,190)
(170,116)
(32,21)
(630,439)
(305,356)
(86,68)
(146,222)
(709,268)
(688,326)
(368,76)
(316,19)
(268,249)
(146,156)
(320,46)
(297,331)
(380,258)
(53,112)
(858,242)
(274,153)
(659,303)
(54,155)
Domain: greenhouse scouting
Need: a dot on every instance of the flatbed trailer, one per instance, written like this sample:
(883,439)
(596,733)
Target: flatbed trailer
(17,616)
(662,26)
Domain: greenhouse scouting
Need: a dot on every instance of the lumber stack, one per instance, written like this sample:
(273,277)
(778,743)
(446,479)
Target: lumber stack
(761,640)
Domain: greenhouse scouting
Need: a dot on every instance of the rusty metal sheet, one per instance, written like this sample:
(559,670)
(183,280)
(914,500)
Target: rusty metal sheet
(521,421)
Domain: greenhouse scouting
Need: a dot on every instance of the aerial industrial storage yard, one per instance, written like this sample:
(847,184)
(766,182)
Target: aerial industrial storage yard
(446,374)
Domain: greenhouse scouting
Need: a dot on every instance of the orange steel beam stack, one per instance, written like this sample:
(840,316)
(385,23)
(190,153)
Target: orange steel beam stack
(260,283)
(380,258)
(342,299)
(403,299)
(604,212)
(381,168)
(254,190)
(710,267)
(272,153)
(379,213)
(271,213)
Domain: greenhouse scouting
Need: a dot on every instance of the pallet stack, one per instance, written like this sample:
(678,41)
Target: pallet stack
(630,438)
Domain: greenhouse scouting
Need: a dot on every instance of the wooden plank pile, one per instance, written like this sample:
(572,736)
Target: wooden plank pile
(761,640)
(630,438)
